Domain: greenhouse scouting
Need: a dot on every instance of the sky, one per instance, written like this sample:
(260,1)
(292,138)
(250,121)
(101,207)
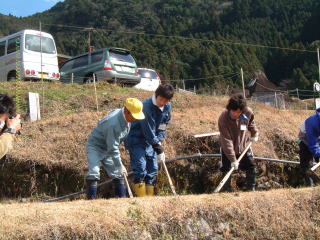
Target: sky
(23,8)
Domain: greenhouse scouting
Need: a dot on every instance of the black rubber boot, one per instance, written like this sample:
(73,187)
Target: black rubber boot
(307,178)
(251,179)
(119,188)
(91,189)
(309,181)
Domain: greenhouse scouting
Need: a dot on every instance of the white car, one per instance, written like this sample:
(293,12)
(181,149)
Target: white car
(150,79)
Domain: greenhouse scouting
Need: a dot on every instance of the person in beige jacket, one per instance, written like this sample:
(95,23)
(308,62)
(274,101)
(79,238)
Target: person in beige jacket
(234,125)
(9,124)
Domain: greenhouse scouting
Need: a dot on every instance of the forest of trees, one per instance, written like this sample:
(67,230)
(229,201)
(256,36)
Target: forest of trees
(210,28)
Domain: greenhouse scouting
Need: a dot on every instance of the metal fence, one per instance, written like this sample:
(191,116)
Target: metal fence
(273,99)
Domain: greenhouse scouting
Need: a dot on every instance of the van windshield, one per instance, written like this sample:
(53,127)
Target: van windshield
(33,44)
(121,56)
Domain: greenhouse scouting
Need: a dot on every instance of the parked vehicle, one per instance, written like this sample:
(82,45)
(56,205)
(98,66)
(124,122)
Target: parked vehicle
(34,51)
(150,79)
(114,65)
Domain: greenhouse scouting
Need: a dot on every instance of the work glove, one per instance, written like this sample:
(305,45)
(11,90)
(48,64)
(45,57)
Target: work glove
(235,165)
(123,170)
(161,157)
(254,139)
(158,148)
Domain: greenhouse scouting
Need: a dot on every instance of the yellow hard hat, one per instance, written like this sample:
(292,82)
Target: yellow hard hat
(134,106)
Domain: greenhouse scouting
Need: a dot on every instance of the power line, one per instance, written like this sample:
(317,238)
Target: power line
(210,77)
(186,38)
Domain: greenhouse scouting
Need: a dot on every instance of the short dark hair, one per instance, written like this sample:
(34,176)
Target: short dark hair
(6,104)
(165,90)
(236,102)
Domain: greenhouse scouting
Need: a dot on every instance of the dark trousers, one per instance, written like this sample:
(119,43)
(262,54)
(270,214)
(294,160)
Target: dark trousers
(306,157)
(306,162)
(247,163)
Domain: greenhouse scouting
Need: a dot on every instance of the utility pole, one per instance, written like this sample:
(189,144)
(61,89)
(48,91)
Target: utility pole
(41,51)
(244,92)
(89,42)
(41,61)
(89,38)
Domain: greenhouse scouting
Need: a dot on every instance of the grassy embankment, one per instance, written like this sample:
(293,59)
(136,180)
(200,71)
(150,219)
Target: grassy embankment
(49,157)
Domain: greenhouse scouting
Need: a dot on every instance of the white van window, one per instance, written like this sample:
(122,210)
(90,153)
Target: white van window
(12,44)
(33,44)
(2,48)
(81,61)
(121,56)
(96,56)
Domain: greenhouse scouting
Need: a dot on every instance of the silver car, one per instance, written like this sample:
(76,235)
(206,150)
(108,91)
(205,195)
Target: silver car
(114,65)
(150,79)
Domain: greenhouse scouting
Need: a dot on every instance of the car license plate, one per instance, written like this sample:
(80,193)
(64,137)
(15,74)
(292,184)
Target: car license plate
(118,68)
(43,75)
(126,69)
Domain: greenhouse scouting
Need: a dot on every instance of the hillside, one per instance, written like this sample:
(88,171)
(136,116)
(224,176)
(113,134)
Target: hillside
(281,214)
(284,24)
(50,160)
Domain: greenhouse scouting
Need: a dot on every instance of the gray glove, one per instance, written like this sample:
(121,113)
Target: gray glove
(122,169)
(254,139)
(161,157)
(235,165)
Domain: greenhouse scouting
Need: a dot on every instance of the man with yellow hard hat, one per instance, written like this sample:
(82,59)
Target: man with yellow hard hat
(103,147)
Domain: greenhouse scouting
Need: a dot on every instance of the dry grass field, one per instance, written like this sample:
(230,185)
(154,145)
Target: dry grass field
(277,214)
(49,160)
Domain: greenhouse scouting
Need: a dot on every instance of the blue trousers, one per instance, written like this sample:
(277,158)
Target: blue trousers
(143,161)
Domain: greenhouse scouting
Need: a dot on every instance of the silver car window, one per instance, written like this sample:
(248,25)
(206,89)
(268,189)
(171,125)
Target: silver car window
(96,56)
(121,56)
(81,61)
(147,74)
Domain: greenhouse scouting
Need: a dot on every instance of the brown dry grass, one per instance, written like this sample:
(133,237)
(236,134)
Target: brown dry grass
(278,214)
(60,140)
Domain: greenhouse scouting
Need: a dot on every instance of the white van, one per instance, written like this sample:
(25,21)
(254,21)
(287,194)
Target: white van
(37,57)
(150,79)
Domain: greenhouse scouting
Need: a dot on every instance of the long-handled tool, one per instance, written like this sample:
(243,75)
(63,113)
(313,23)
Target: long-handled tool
(169,178)
(226,177)
(128,186)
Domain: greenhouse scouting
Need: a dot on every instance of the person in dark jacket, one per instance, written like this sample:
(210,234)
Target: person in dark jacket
(234,123)
(309,135)
(144,141)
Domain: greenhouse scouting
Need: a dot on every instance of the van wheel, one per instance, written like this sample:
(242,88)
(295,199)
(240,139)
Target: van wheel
(11,76)
(89,79)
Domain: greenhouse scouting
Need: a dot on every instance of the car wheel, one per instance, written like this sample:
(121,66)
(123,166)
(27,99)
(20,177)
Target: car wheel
(89,79)
(11,77)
